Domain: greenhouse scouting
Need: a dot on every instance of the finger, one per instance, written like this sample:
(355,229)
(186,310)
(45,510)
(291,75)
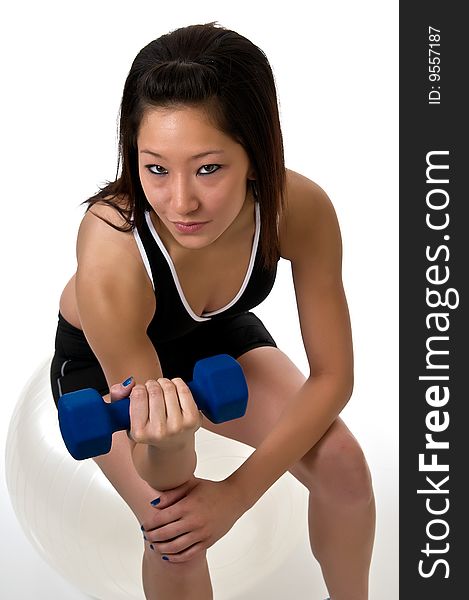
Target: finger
(156,409)
(122,390)
(170,497)
(186,400)
(138,411)
(171,400)
(163,518)
(177,545)
(194,551)
(167,533)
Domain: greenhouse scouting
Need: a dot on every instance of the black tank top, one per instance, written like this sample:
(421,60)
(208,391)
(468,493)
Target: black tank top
(173,315)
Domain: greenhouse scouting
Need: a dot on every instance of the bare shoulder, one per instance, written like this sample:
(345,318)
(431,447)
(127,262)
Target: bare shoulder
(104,226)
(101,211)
(309,220)
(109,259)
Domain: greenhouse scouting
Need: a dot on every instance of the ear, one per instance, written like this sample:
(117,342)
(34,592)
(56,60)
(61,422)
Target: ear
(251,174)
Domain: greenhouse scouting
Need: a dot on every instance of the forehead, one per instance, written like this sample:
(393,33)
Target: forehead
(183,133)
(170,124)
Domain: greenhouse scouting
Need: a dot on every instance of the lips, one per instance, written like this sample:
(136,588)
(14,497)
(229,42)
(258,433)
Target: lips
(189,227)
(191,223)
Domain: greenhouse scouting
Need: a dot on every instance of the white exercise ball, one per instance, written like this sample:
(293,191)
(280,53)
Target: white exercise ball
(81,526)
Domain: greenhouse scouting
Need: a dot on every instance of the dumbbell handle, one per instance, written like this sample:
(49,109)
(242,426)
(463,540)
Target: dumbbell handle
(119,411)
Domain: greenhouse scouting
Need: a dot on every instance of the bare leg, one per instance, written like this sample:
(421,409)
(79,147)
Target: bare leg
(341,505)
(341,535)
(161,580)
(184,581)
(341,511)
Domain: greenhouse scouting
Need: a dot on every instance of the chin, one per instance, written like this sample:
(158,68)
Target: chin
(192,243)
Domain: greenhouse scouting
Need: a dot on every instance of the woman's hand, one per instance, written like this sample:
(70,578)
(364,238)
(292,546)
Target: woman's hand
(192,517)
(163,412)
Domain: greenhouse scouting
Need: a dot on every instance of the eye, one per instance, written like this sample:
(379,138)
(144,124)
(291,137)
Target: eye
(209,169)
(159,170)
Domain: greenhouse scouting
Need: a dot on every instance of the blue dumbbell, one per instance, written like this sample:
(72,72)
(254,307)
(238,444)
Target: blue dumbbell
(87,422)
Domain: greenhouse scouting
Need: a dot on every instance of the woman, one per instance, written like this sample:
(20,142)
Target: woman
(171,258)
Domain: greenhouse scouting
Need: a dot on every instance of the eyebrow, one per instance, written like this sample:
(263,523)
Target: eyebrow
(199,155)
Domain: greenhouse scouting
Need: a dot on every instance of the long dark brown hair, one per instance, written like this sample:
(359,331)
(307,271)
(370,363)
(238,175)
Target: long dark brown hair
(229,76)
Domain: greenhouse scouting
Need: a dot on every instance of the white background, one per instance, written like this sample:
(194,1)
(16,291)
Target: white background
(335,64)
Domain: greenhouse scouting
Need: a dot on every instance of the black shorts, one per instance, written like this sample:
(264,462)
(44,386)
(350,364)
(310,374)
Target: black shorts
(74,365)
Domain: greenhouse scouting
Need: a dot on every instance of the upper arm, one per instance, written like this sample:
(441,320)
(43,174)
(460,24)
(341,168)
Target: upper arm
(114,300)
(313,244)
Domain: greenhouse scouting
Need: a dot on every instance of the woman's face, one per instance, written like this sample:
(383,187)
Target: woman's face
(191,172)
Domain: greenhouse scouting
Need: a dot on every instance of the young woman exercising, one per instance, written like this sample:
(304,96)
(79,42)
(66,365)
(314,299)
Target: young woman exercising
(172,255)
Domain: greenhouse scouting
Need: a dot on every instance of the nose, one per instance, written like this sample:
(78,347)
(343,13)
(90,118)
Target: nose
(183,198)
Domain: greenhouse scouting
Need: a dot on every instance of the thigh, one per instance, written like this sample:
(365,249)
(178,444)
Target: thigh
(272,380)
(74,365)
(69,374)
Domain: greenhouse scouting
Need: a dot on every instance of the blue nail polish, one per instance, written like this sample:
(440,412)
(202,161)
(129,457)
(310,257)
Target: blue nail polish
(127,381)
(142,527)
(155,501)
(151,546)
(165,558)
(145,537)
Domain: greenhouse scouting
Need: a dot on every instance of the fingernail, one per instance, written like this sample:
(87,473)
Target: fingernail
(145,537)
(165,558)
(127,381)
(155,501)
(151,546)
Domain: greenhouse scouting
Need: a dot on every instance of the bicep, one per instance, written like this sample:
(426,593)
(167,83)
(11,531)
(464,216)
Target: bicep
(317,275)
(117,337)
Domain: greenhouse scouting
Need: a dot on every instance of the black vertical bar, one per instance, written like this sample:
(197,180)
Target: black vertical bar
(434,272)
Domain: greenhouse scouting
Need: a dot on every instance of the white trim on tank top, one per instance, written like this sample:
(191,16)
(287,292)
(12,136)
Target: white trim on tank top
(206,315)
(143,254)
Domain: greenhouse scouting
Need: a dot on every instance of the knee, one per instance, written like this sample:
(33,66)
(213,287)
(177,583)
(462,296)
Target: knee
(184,569)
(340,473)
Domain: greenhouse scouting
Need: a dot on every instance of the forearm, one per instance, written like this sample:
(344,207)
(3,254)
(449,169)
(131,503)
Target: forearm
(165,469)
(303,422)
